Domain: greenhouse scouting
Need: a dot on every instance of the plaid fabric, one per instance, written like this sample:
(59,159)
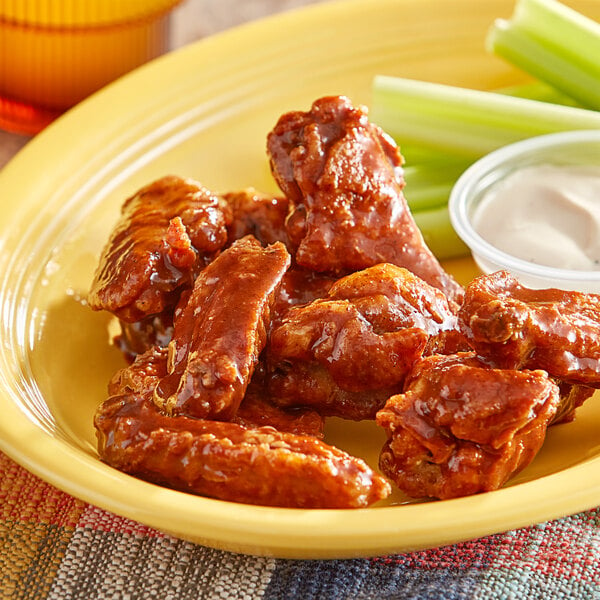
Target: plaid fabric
(53,546)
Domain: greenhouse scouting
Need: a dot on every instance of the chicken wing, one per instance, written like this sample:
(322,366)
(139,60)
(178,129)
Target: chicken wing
(224,460)
(346,354)
(168,231)
(461,427)
(221,330)
(517,327)
(343,177)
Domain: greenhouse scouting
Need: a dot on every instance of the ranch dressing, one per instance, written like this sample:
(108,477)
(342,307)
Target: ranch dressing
(545,214)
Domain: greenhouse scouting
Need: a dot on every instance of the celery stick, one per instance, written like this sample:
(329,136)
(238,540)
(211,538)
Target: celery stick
(428,185)
(466,122)
(420,155)
(553,43)
(564,28)
(534,90)
(439,234)
(534,57)
(538,90)
(429,196)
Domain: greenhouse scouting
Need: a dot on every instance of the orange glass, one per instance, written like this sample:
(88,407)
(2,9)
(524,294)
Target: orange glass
(54,53)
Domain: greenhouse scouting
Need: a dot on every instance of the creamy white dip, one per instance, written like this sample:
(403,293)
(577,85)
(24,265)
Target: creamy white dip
(546,214)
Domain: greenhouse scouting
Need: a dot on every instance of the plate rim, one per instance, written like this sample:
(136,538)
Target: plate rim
(293,535)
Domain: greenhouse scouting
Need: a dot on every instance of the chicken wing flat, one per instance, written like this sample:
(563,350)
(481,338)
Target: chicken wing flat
(345,354)
(257,410)
(221,330)
(572,396)
(138,337)
(168,231)
(343,177)
(517,327)
(461,427)
(298,287)
(257,214)
(231,462)
(224,460)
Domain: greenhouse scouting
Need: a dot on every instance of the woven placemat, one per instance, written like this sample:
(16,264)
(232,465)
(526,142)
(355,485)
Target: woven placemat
(53,546)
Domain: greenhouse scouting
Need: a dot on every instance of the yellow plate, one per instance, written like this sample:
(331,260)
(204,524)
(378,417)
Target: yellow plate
(204,112)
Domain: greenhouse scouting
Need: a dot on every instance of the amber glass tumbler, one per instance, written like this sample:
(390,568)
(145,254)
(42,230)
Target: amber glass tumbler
(54,53)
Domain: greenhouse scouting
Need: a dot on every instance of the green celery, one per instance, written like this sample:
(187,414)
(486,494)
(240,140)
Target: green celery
(430,175)
(428,185)
(439,234)
(538,90)
(465,122)
(535,90)
(420,155)
(555,44)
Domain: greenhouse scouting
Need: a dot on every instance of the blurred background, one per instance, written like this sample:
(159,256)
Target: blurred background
(194,19)
(191,20)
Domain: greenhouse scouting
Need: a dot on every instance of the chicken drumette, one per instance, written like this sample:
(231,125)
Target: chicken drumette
(344,180)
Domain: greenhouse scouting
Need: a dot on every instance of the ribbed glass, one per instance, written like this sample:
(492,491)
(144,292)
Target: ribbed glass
(54,53)
(77,13)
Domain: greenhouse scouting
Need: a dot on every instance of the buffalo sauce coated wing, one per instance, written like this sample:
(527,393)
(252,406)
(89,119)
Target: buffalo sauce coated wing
(221,459)
(343,177)
(231,462)
(168,231)
(346,353)
(517,327)
(137,337)
(257,214)
(145,372)
(220,331)
(461,427)
(572,396)
(256,410)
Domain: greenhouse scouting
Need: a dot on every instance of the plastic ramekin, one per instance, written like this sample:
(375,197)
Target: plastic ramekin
(564,148)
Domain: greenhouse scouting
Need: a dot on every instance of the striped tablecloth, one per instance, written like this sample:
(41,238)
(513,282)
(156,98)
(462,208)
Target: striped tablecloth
(53,546)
